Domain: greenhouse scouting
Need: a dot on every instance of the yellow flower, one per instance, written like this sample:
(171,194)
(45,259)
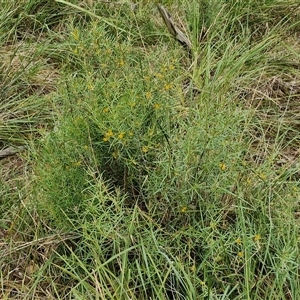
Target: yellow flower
(262,176)
(145,149)
(193,268)
(106,109)
(238,241)
(75,34)
(115,155)
(133,161)
(218,258)
(159,75)
(121,63)
(183,209)
(167,87)
(240,254)
(148,95)
(156,106)
(77,163)
(222,166)
(108,134)
(256,238)
(213,225)
(121,135)
(171,67)
(91,87)
(164,69)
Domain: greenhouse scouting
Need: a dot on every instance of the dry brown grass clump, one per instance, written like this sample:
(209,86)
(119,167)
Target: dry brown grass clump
(275,101)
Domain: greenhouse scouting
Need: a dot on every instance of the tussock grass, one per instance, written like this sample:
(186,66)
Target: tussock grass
(149,173)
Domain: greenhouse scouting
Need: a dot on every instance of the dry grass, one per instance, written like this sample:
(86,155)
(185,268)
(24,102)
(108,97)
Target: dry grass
(35,75)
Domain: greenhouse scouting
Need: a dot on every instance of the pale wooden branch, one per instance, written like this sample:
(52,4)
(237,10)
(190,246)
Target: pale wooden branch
(173,29)
(9,151)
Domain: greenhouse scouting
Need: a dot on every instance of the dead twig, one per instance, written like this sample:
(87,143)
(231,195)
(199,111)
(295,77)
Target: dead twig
(173,29)
(10,151)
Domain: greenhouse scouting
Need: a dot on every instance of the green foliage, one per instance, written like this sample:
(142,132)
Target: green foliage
(151,174)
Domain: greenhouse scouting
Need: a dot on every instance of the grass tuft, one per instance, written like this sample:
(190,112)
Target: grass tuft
(144,171)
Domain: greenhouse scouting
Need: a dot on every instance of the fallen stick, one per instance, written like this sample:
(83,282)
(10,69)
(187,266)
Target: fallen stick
(9,151)
(173,29)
